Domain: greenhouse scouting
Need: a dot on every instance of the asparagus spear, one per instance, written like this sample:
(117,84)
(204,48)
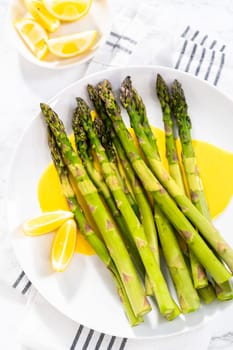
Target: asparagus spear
(108,136)
(165,302)
(104,134)
(105,127)
(187,294)
(146,212)
(146,215)
(180,110)
(83,147)
(197,194)
(171,151)
(106,225)
(93,239)
(160,195)
(207,229)
(145,209)
(198,274)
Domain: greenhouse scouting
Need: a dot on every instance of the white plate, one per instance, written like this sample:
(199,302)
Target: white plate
(85,292)
(97,19)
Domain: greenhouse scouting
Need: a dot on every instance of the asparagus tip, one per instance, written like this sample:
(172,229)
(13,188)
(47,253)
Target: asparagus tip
(126,92)
(162,90)
(179,104)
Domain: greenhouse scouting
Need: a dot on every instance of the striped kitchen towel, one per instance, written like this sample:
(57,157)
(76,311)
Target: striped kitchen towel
(200,55)
(133,40)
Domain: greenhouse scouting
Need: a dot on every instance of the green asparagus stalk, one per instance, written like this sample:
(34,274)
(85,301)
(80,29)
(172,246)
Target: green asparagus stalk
(171,150)
(165,302)
(83,147)
(145,211)
(198,274)
(187,295)
(191,212)
(197,194)
(207,294)
(106,225)
(146,215)
(180,110)
(111,154)
(105,128)
(93,239)
(160,195)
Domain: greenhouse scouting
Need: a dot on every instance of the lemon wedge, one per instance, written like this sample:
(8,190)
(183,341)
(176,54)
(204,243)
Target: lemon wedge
(70,10)
(72,45)
(33,35)
(63,246)
(46,222)
(42,15)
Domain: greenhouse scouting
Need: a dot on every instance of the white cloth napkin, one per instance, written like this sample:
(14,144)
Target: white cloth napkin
(135,38)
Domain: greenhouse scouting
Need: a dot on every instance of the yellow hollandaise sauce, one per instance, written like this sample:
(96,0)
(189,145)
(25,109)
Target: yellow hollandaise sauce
(215,166)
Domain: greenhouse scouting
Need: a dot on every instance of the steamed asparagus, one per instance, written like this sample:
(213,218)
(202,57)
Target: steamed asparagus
(93,239)
(186,292)
(161,196)
(165,302)
(106,225)
(84,150)
(197,194)
(198,273)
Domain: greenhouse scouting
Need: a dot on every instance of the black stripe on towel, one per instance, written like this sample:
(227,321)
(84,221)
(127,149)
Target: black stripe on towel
(90,334)
(210,65)
(181,54)
(185,32)
(25,289)
(132,41)
(200,62)
(76,338)
(110,345)
(191,57)
(220,69)
(223,48)
(123,343)
(120,47)
(99,342)
(195,35)
(204,39)
(18,279)
(213,44)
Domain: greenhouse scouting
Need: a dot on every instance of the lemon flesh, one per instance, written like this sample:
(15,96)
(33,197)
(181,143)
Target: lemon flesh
(33,35)
(46,222)
(68,10)
(42,15)
(63,246)
(72,45)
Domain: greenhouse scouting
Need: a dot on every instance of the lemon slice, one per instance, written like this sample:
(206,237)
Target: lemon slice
(70,10)
(42,15)
(46,222)
(33,35)
(63,246)
(72,45)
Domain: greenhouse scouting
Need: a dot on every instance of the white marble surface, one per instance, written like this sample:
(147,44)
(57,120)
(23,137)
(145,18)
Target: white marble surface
(23,86)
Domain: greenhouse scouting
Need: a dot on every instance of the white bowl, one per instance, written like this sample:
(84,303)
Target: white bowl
(97,19)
